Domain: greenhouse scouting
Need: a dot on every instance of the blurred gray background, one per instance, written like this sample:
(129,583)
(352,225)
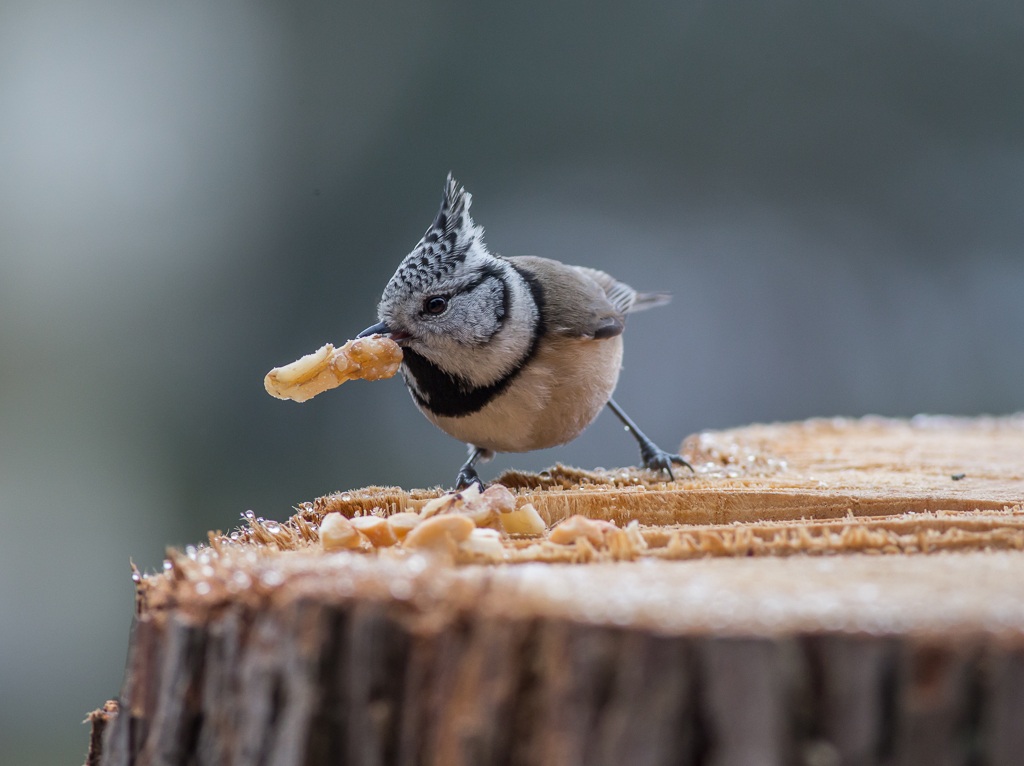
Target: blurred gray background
(192,193)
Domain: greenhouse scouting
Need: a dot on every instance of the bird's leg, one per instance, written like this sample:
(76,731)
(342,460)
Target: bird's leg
(468,474)
(654,457)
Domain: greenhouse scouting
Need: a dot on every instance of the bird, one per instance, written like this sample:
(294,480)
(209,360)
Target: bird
(508,354)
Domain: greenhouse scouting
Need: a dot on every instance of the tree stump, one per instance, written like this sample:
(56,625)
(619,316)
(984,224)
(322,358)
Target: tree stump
(828,592)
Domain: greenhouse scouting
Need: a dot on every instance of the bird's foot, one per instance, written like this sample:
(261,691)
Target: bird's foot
(467,474)
(466,478)
(656,459)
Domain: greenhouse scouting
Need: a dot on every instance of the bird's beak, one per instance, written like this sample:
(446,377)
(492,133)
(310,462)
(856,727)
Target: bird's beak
(381,328)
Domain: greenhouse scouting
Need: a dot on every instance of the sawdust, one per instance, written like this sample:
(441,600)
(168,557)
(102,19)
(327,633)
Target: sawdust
(821,487)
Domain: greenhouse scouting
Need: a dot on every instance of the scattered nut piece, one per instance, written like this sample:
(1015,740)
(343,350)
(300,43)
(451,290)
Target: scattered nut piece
(500,498)
(485,543)
(376,529)
(635,536)
(437,505)
(482,513)
(371,358)
(402,523)
(523,521)
(483,508)
(337,533)
(440,534)
(451,501)
(575,527)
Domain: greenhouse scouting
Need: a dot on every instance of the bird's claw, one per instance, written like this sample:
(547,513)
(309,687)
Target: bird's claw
(656,459)
(466,478)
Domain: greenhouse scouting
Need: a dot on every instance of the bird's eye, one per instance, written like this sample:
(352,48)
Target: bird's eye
(435,305)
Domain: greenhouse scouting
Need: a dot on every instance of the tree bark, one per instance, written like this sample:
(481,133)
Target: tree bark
(767,633)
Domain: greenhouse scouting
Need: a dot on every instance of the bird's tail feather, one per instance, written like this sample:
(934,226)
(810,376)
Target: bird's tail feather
(644,301)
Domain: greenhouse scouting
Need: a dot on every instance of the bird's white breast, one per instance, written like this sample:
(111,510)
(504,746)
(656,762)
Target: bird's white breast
(552,399)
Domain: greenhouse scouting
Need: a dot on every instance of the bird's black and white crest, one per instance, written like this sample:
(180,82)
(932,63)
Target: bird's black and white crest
(467,319)
(451,240)
(508,354)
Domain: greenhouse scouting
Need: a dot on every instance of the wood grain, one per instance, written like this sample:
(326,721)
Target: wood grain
(823,593)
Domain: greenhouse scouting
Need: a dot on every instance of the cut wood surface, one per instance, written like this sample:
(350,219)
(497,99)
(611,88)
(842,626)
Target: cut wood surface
(820,469)
(835,591)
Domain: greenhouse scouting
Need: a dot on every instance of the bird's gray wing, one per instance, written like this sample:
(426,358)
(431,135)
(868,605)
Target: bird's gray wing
(623,297)
(578,302)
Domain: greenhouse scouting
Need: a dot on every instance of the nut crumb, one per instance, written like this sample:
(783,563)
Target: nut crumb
(523,521)
(484,543)
(576,527)
(338,533)
(440,534)
(403,523)
(376,529)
